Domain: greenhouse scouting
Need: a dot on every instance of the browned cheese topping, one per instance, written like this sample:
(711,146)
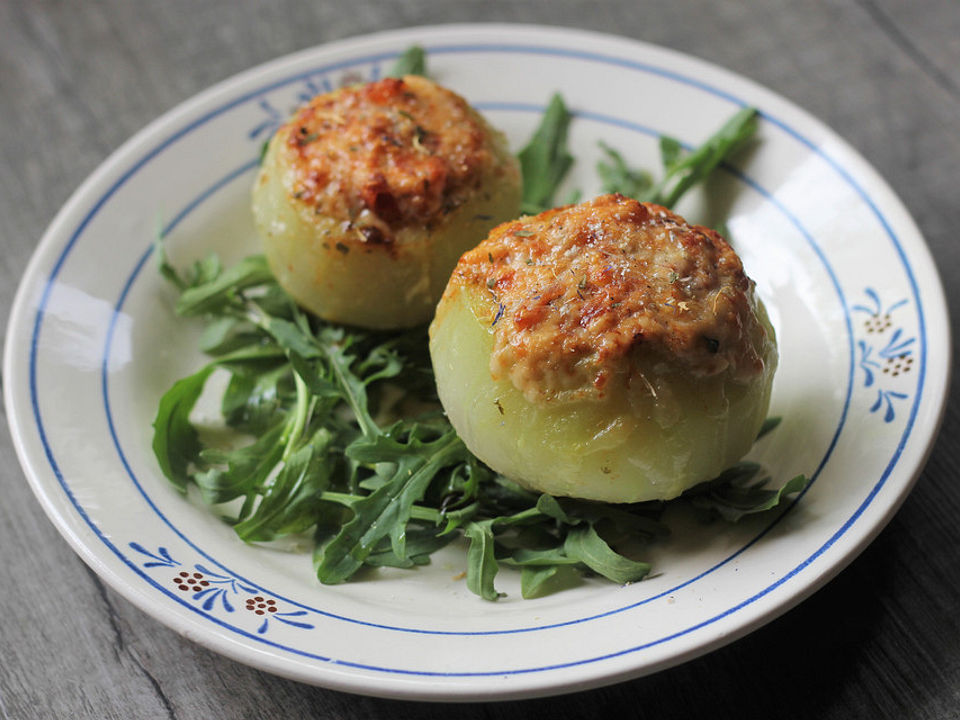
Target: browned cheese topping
(388,154)
(582,292)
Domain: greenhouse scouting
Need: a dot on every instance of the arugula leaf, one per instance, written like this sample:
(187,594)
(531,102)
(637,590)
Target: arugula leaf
(235,473)
(539,581)
(176,442)
(290,503)
(682,172)
(167,270)
(386,510)
(671,150)
(550,506)
(352,388)
(413,61)
(526,557)
(768,425)
(211,293)
(545,160)
(225,334)
(617,177)
(253,401)
(534,579)
(585,544)
(482,564)
(422,542)
(316,384)
(290,337)
(741,491)
(637,521)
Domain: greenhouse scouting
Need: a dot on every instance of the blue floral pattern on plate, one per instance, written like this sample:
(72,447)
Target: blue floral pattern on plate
(883,357)
(214,591)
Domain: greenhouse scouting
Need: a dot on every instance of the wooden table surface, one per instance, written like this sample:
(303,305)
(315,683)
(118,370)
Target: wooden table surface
(881,640)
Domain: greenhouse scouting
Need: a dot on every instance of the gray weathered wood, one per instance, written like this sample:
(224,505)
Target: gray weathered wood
(882,640)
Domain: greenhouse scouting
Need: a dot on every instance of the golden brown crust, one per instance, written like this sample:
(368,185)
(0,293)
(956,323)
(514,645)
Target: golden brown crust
(578,294)
(386,155)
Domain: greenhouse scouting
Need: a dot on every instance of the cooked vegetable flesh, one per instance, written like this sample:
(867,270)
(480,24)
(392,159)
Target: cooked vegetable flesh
(369,194)
(607,350)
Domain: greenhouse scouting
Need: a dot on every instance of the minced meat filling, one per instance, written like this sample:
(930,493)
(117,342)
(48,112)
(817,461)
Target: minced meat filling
(388,154)
(581,292)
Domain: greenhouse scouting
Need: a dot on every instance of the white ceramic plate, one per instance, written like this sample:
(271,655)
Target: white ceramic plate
(858,307)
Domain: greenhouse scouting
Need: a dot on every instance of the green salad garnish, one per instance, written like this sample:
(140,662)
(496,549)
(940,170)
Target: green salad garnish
(337,432)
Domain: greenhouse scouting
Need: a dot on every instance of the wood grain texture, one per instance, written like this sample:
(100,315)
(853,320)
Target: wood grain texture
(880,641)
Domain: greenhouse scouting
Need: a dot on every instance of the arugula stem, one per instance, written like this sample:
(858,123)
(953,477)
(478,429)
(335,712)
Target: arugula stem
(687,171)
(354,394)
(298,420)
(529,515)
(417,512)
